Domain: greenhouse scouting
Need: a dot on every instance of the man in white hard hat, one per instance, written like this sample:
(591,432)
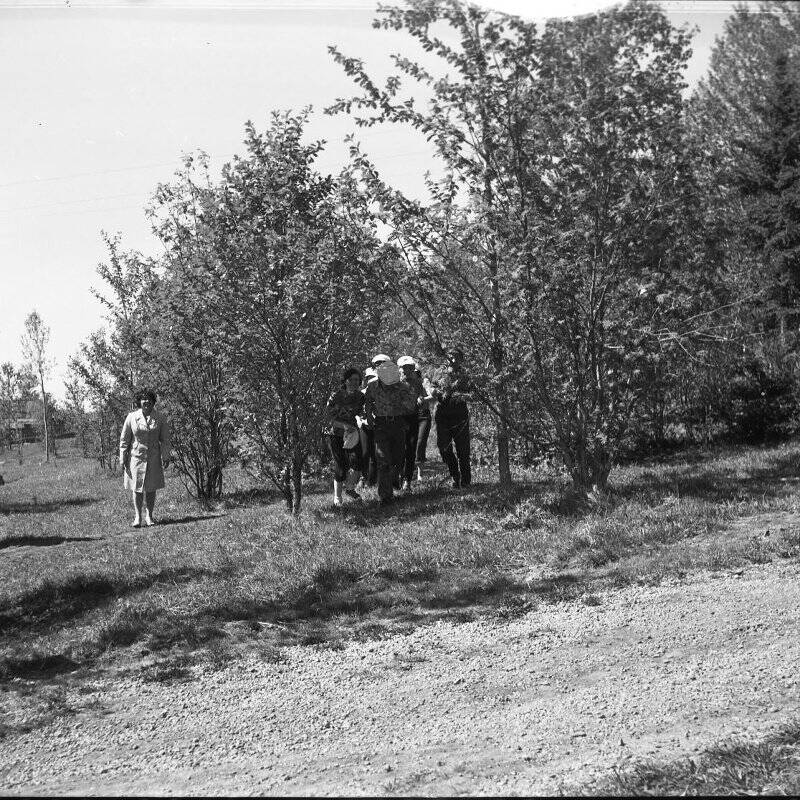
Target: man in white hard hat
(412,377)
(387,403)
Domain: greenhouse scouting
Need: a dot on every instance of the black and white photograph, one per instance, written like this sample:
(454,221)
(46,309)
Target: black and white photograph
(399,398)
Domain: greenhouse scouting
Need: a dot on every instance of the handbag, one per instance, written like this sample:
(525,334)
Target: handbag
(351,438)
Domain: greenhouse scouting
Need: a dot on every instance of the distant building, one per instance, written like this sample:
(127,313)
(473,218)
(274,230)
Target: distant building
(24,429)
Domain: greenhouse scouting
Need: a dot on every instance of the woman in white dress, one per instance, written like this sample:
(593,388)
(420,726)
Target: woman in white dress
(144,451)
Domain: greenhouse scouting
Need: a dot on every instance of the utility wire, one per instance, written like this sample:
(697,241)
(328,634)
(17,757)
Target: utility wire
(70,202)
(85,174)
(139,194)
(361,134)
(90,211)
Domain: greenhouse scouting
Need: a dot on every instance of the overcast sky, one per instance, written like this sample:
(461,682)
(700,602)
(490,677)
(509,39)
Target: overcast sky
(100,100)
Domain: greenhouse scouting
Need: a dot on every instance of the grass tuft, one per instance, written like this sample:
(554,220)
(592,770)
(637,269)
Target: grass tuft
(771,766)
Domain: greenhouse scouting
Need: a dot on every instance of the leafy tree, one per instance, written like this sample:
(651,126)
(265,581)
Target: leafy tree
(128,278)
(769,177)
(186,360)
(76,400)
(112,362)
(291,256)
(746,114)
(745,120)
(608,288)
(34,348)
(550,247)
(93,368)
(457,284)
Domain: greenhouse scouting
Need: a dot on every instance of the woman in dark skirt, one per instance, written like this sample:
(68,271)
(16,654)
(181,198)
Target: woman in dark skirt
(343,406)
(369,462)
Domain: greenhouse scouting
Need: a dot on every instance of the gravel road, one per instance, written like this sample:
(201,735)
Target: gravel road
(529,706)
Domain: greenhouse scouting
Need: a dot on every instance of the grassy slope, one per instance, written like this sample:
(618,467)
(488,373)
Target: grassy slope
(76,582)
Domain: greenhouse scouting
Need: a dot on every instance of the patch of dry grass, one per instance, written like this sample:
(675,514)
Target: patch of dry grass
(735,767)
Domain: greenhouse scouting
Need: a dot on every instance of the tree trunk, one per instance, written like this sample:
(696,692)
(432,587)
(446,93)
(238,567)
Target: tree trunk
(293,486)
(497,318)
(297,483)
(44,419)
(287,488)
(503,460)
(498,361)
(601,467)
(101,443)
(213,485)
(589,469)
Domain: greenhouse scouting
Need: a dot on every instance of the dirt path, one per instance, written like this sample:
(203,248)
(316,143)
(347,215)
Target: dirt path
(530,705)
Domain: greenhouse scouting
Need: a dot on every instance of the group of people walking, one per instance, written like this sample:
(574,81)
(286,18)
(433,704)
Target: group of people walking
(379,422)
(378,425)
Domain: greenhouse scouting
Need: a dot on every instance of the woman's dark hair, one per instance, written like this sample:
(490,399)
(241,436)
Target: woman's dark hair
(350,371)
(145,392)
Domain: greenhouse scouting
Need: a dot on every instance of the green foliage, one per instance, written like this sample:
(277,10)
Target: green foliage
(549,250)
(186,361)
(744,120)
(110,364)
(620,266)
(290,262)
(244,323)
(35,341)
(602,302)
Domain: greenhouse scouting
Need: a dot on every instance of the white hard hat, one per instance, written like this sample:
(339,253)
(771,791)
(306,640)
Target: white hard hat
(406,361)
(379,359)
(388,372)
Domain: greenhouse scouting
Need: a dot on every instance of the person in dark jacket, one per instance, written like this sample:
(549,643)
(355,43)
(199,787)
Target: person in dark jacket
(344,442)
(451,388)
(387,403)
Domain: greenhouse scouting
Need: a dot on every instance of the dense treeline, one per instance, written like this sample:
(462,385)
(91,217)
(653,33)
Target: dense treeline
(618,259)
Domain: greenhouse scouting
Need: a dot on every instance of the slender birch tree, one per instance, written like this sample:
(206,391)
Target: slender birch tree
(34,349)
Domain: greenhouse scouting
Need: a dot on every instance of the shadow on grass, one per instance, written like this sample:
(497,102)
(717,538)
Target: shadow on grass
(248,497)
(43,541)
(47,507)
(716,483)
(37,666)
(184,520)
(56,602)
(479,498)
(413,597)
